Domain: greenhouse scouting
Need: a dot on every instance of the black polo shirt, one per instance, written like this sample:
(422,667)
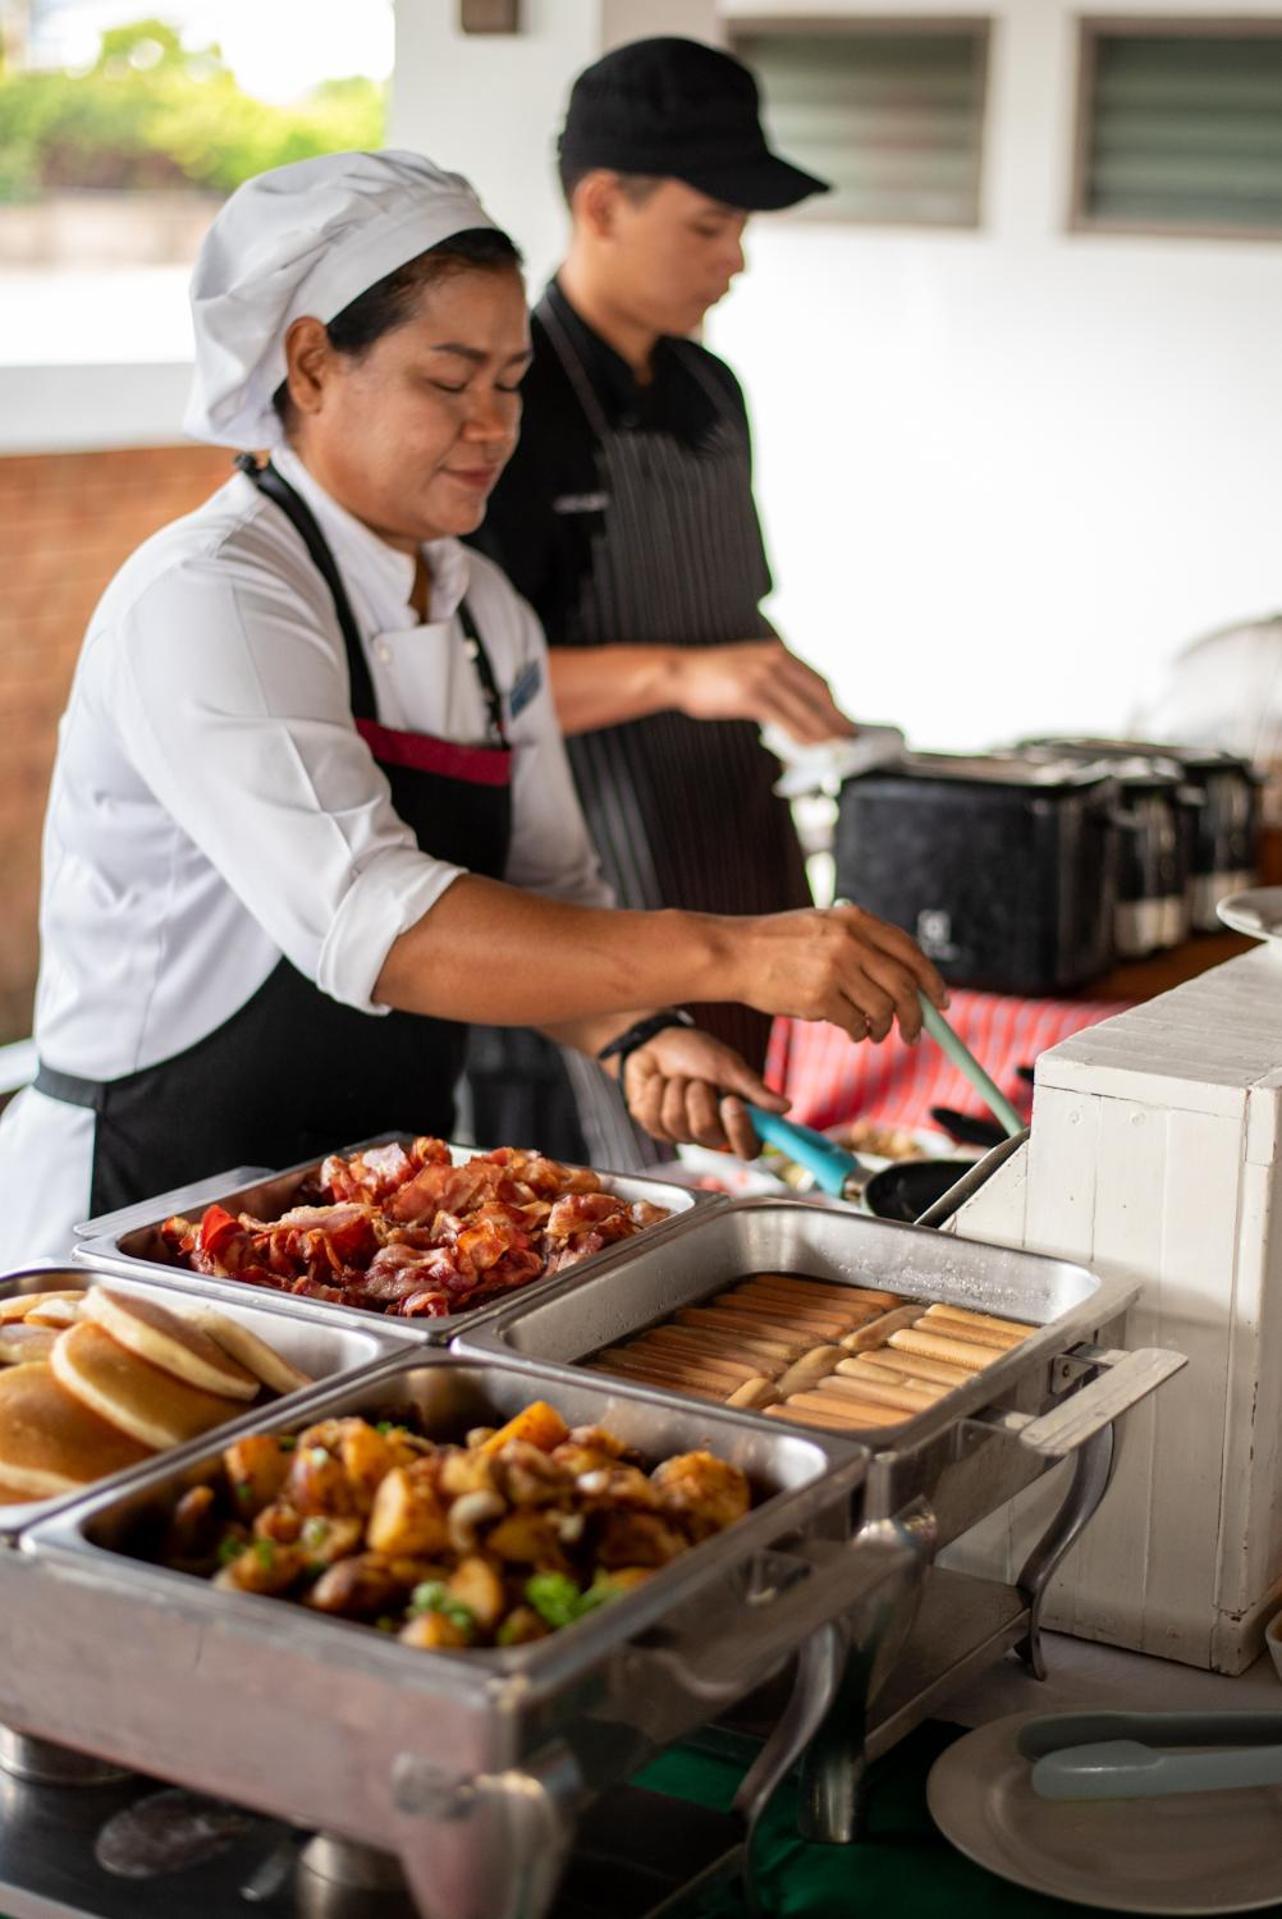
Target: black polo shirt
(542,519)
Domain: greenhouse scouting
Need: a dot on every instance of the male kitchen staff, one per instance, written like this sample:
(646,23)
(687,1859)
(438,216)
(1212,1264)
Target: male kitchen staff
(626,518)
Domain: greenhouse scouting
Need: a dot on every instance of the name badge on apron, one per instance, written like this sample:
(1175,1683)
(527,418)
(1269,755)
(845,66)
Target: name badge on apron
(580,503)
(524,687)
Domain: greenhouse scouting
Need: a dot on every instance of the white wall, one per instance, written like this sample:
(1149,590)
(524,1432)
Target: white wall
(490,106)
(1002,472)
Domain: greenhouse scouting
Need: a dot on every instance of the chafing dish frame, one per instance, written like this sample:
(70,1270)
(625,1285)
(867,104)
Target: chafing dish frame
(976,1448)
(470,1765)
(129,1240)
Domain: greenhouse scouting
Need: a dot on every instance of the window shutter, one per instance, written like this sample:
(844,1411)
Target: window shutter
(1182,131)
(894,119)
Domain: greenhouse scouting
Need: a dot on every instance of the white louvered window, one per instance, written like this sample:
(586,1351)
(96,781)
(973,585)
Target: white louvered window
(1179,127)
(891,112)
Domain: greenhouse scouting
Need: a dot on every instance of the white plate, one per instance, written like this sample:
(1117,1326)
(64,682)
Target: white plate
(1205,1852)
(1258,912)
(933,1145)
(708,1171)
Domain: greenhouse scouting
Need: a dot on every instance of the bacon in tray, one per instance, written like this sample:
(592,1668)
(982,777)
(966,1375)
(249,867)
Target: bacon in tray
(403,1230)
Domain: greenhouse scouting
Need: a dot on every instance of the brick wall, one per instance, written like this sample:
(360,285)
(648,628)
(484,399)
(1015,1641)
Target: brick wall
(67,521)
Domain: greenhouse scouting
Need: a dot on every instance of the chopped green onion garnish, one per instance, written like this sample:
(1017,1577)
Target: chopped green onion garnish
(559,1602)
(433,1595)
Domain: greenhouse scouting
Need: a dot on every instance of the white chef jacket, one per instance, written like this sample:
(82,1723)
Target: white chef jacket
(213,806)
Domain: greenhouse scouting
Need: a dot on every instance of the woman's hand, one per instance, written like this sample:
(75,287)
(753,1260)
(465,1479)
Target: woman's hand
(757,680)
(685,1085)
(842,965)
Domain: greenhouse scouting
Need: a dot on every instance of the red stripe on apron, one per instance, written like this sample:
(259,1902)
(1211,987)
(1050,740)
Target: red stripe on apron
(477,765)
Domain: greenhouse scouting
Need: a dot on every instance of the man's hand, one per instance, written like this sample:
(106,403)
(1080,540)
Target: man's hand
(842,965)
(757,680)
(685,1085)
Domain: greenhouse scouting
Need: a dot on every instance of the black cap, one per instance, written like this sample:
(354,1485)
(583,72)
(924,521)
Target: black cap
(683,111)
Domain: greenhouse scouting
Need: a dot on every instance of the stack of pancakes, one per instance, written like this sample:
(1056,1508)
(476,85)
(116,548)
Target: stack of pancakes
(95,1381)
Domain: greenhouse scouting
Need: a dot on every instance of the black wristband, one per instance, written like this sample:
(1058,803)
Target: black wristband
(625,1044)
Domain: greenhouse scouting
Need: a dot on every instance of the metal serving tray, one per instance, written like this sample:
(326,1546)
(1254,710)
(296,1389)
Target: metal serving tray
(328,1352)
(130,1241)
(934,1454)
(470,1765)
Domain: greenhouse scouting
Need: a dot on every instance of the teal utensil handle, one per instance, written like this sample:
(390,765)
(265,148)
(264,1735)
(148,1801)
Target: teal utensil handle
(831,1164)
(965,1062)
(1126,1769)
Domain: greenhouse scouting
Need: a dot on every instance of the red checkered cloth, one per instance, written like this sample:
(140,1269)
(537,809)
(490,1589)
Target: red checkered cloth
(829,1079)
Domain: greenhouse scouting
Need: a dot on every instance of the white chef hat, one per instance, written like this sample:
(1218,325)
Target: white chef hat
(306,238)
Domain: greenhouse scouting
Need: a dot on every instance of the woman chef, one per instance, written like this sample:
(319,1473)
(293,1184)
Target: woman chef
(311,810)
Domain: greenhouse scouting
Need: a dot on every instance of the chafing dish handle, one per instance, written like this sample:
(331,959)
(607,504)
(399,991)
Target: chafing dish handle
(969,1184)
(1125,1380)
(720,1665)
(147,1211)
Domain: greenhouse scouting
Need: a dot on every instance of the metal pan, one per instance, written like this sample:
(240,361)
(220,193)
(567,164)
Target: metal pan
(329,1352)
(1062,1301)
(959,1453)
(129,1241)
(910,1189)
(470,1765)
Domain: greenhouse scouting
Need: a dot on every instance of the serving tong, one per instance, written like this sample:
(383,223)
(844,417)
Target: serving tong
(1150,1755)
(838,1172)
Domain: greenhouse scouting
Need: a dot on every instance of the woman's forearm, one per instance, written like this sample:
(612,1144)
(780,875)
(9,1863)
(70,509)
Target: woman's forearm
(595,686)
(490,954)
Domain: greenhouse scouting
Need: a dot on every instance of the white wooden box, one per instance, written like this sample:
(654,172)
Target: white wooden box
(1154,1154)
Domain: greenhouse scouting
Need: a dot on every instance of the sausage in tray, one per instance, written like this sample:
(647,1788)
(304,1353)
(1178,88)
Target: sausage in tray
(842,1358)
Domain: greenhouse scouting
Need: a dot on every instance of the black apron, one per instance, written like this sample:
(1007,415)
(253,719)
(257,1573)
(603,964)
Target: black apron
(682,812)
(293,1074)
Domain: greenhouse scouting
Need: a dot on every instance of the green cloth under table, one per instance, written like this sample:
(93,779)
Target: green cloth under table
(903,1869)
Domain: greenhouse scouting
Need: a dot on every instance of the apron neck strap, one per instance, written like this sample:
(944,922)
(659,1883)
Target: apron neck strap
(303,520)
(575,371)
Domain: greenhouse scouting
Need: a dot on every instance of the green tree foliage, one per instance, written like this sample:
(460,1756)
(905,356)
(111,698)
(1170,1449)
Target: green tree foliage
(153,113)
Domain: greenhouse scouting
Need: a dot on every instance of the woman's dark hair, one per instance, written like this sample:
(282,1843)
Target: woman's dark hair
(391,301)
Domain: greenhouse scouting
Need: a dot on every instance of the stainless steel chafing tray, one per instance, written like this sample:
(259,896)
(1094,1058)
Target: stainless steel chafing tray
(471,1765)
(308,1338)
(130,1240)
(1053,1397)
(1063,1303)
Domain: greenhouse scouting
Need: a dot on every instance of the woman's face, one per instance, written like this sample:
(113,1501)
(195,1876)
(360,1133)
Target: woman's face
(411,435)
